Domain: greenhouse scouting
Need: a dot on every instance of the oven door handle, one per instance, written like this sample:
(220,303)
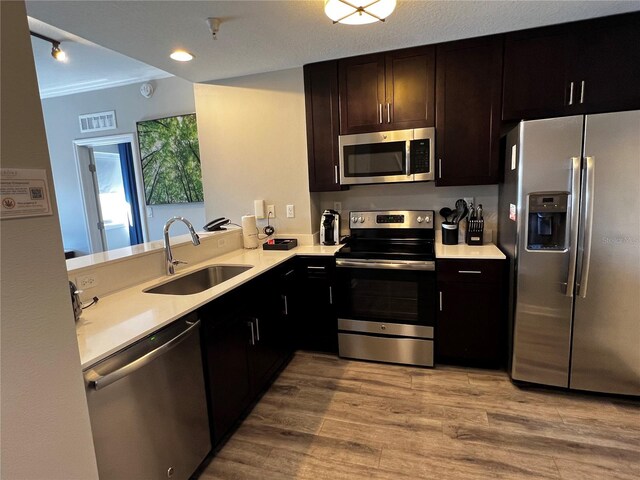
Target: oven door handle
(387,264)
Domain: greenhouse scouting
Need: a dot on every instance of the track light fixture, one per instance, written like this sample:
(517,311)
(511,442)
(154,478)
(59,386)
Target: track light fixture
(56,51)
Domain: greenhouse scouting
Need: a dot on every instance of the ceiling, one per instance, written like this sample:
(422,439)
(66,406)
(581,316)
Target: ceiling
(261,36)
(88,67)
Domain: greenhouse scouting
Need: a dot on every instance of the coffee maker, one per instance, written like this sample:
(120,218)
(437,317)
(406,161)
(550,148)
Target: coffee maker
(330,228)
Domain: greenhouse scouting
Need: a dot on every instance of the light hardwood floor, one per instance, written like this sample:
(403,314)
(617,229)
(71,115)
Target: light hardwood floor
(329,418)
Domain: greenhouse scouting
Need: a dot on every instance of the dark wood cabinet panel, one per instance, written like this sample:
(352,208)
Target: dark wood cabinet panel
(609,65)
(410,89)
(315,321)
(471,328)
(244,345)
(323,125)
(387,91)
(535,74)
(362,93)
(226,339)
(577,68)
(468,88)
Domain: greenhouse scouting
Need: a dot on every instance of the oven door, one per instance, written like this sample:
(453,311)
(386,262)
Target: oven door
(393,292)
(375,157)
(386,311)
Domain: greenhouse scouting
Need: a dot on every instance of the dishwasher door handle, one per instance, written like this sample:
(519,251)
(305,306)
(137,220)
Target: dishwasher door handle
(98,381)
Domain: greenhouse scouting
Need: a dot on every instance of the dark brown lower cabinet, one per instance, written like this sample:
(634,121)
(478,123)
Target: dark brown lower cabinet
(244,345)
(471,329)
(315,321)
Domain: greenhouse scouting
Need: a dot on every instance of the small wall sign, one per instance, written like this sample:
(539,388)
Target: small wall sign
(24,193)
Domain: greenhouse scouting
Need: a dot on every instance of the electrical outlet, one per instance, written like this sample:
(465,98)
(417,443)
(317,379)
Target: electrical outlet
(271,211)
(149,212)
(337,206)
(83,282)
(470,200)
(221,242)
(291,211)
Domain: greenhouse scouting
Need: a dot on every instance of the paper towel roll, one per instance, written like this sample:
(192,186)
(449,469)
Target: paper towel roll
(250,231)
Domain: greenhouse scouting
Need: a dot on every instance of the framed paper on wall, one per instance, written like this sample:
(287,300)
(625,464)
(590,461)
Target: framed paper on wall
(170,157)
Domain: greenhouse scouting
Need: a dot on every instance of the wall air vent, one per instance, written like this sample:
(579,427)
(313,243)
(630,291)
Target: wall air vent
(94,122)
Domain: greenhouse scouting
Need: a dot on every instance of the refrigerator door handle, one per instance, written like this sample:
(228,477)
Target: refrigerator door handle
(587,226)
(573,232)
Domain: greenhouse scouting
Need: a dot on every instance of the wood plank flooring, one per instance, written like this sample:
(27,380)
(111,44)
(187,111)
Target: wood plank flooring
(329,418)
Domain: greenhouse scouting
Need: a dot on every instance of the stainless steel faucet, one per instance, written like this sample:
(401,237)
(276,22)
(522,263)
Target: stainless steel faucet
(195,239)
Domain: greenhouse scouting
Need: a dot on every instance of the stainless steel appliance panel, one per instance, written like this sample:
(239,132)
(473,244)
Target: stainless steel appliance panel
(148,408)
(397,329)
(410,351)
(606,332)
(546,153)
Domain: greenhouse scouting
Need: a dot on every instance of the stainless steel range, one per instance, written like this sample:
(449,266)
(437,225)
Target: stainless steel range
(386,287)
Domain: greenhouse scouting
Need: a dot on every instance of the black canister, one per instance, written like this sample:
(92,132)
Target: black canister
(449,233)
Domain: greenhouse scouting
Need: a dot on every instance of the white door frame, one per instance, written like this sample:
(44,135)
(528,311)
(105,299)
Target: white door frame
(87,189)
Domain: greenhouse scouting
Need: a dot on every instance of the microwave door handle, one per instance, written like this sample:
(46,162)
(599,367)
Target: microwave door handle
(408,154)
(574,222)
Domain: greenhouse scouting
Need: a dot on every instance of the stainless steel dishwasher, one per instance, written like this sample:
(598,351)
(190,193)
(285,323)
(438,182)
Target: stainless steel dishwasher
(148,408)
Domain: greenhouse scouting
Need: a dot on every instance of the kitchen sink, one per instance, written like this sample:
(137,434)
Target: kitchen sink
(200,280)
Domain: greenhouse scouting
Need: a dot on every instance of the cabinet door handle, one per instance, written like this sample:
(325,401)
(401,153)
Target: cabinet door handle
(335,174)
(571,93)
(330,295)
(253,338)
(257,328)
(440,301)
(469,271)
(286,305)
(314,267)
(582,91)
(439,168)
(388,113)
(379,113)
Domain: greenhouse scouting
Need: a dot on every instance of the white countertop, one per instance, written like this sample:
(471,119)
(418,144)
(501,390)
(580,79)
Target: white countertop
(461,251)
(120,319)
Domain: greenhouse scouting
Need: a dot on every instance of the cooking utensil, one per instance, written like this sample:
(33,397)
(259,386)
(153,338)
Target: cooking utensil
(446,212)
(461,209)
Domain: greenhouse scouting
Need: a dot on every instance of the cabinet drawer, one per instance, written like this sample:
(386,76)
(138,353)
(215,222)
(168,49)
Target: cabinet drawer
(469,271)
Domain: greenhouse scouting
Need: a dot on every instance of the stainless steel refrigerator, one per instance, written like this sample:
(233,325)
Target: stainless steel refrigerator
(570,225)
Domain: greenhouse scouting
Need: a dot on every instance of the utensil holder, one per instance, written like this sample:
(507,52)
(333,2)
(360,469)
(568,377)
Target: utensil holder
(475,232)
(449,233)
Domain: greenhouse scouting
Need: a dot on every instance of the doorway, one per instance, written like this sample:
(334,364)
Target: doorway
(109,176)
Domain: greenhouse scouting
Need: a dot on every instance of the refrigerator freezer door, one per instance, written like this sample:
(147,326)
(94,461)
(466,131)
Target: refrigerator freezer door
(606,332)
(543,310)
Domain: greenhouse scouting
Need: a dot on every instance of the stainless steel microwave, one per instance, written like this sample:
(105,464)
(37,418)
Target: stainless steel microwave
(387,157)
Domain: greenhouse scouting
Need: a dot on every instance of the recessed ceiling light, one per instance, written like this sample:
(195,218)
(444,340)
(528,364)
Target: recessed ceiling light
(181,56)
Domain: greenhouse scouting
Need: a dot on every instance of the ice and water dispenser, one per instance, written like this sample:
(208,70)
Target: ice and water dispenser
(548,221)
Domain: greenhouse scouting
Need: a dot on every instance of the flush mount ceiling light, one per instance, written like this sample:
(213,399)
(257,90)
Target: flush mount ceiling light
(181,56)
(358,12)
(56,51)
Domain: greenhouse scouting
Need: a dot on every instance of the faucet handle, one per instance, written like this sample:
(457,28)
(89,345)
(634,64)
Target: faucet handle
(178,262)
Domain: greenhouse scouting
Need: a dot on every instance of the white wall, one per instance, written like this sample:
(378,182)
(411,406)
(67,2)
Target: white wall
(172,96)
(46,432)
(253,147)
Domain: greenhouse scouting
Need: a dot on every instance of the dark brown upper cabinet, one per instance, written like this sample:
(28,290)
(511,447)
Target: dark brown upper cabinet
(571,69)
(387,91)
(468,90)
(321,99)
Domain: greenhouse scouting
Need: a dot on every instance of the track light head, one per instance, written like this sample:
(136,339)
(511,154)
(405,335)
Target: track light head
(58,53)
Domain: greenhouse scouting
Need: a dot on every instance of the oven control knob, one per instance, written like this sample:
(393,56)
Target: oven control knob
(420,219)
(361,219)
(383,327)
(354,219)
